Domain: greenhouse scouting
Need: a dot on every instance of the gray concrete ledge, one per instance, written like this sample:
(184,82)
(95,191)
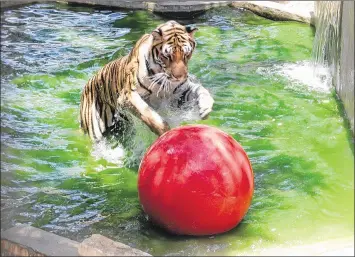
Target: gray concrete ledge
(301,11)
(9,248)
(25,240)
(33,241)
(98,245)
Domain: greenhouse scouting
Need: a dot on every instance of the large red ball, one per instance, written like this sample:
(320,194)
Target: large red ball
(196,180)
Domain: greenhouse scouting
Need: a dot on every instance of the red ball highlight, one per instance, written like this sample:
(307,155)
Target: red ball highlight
(196,180)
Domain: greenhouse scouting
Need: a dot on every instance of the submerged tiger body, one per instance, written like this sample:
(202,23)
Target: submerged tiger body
(154,70)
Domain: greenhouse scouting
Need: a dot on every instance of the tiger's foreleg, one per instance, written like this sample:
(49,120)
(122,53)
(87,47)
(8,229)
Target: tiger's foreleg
(143,111)
(205,102)
(194,91)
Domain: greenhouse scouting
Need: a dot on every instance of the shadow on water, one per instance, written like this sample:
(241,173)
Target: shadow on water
(278,172)
(346,122)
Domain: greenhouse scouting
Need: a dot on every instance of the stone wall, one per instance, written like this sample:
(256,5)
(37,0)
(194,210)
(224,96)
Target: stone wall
(345,81)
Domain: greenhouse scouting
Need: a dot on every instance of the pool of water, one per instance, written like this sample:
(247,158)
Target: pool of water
(266,96)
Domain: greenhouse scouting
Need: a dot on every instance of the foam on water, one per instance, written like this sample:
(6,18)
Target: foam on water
(302,75)
(105,150)
(176,116)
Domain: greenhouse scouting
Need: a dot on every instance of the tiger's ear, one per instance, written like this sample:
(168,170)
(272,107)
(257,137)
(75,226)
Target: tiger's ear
(191,31)
(157,34)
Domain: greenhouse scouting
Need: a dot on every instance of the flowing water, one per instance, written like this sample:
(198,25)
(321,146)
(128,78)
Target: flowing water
(333,48)
(266,96)
(327,35)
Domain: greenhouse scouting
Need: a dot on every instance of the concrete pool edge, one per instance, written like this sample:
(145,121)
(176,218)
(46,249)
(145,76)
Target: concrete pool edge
(24,240)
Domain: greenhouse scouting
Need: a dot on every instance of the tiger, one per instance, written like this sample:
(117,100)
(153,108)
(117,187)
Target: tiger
(156,68)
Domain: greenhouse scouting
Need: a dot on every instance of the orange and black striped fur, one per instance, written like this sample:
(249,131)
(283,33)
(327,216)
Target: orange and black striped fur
(155,68)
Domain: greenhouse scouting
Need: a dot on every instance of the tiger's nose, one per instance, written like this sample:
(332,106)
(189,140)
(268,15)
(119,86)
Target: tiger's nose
(179,74)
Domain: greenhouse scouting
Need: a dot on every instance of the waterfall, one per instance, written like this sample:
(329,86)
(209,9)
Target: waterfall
(326,42)
(333,47)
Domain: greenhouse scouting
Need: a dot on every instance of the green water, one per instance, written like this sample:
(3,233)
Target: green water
(54,178)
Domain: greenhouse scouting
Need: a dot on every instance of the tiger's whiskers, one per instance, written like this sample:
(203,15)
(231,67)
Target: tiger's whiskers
(155,79)
(162,80)
(161,85)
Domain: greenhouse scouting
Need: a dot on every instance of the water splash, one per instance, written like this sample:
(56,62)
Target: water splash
(301,75)
(105,150)
(176,116)
(138,141)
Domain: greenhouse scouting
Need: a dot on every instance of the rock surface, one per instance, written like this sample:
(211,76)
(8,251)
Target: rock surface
(98,245)
(289,10)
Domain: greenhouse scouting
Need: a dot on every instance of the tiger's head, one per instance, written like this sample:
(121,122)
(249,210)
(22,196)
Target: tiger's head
(171,50)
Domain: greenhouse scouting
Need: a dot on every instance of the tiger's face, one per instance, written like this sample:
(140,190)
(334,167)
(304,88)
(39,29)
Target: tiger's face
(173,45)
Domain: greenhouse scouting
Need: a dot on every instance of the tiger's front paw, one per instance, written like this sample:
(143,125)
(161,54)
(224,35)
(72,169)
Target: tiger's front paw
(205,104)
